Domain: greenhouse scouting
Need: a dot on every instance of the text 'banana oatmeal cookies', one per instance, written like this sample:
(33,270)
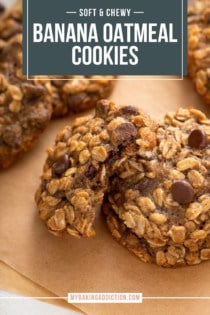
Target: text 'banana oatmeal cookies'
(162,204)
(199,48)
(79,166)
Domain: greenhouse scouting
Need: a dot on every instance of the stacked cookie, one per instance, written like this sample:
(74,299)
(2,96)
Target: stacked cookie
(26,106)
(151,180)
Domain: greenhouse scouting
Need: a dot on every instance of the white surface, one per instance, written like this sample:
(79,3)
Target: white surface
(18,305)
(7,2)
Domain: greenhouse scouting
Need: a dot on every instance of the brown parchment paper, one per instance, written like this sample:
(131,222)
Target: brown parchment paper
(99,264)
(13,281)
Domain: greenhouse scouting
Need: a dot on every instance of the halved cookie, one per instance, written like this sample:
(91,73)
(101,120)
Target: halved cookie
(80,165)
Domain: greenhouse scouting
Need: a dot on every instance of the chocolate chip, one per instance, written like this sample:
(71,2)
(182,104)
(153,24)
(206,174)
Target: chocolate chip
(119,199)
(102,108)
(2,8)
(123,133)
(77,102)
(128,111)
(197,139)
(113,156)
(144,185)
(33,91)
(182,192)
(61,165)
(91,171)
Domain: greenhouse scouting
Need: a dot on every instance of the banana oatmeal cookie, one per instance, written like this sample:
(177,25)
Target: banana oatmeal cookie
(11,22)
(26,107)
(78,167)
(25,110)
(165,200)
(76,93)
(199,48)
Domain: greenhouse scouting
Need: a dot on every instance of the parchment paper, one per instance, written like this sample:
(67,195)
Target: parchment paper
(99,264)
(13,281)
